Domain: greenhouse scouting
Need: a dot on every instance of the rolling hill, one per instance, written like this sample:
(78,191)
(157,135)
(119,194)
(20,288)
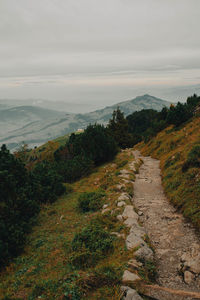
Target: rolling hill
(35,125)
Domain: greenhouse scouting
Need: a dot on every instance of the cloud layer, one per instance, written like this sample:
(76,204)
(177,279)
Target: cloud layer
(97,50)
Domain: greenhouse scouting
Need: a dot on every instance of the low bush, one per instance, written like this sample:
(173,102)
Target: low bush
(90,201)
(90,245)
(106,275)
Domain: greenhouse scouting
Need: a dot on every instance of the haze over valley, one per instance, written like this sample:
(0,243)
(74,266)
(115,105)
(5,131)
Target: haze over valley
(36,125)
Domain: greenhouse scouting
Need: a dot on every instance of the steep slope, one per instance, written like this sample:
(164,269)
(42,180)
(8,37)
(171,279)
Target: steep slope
(36,131)
(179,154)
(51,268)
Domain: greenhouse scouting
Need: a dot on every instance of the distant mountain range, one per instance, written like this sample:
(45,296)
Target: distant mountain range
(36,125)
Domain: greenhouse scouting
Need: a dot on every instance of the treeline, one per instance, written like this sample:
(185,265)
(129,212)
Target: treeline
(144,124)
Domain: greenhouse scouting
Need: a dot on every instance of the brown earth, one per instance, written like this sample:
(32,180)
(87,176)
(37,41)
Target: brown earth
(176,244)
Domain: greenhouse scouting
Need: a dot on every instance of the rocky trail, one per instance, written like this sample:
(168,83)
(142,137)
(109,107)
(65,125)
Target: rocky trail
(176,244)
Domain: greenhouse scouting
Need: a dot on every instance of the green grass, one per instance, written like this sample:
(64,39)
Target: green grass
(45,269)
(179,154)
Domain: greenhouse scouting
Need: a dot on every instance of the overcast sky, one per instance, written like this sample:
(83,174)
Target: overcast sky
(99,51)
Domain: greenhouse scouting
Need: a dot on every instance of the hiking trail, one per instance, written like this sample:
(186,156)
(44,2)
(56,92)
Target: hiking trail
(176,244)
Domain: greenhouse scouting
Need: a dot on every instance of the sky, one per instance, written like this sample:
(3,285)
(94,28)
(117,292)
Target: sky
(99,52)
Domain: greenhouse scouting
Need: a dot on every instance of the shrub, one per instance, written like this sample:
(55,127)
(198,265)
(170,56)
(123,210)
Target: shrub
(94,143)
(48,184)
(107,275)
(90,245)
(85,259)
(75,168)
(91,201)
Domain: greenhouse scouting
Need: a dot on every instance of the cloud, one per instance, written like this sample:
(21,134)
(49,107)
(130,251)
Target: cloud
(51,47)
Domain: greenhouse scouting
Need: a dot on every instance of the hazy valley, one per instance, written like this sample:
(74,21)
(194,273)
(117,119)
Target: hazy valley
(36,125)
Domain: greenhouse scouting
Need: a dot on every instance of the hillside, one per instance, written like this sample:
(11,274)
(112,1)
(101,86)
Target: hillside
(50,268)
(35,126)
(113,233)
(15,120)
(179,153)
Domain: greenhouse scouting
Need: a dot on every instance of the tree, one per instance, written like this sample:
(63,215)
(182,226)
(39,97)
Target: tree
(118,128)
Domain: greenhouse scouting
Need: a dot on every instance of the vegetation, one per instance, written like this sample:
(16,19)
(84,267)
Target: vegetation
(20,198)
(58,261)
(90,201)
(84,151)
(118,129)
(24,189)
(145,124)
(72,249)
(179,152)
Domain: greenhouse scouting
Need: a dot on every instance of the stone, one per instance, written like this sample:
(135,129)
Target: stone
(119,218)
(191,260)
(129,293)
(124,171)
(130,213)
(124,197)
(119,235)
(144,253)
(133,241)
(121,203)
(124,176)
(130,277)
(105,206)
(140,213)
(138,230)
(105,210)
(130,222)
(194,265)
(134,264)
(188,277)
(132,166)
(120,186)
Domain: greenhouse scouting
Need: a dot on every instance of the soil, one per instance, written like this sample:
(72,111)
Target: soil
(171,236)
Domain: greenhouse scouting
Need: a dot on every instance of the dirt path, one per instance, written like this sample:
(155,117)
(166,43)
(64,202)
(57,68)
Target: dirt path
(176,245)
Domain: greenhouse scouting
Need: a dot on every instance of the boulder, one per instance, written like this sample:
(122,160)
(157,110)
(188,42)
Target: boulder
(124,176)
(129,293)
(121,203)
(124,171)
(119,218)
(120,187)
(130,277)
(138,230)
(124,197)
(133,241)
(134,264)
(144,252)
(105,211)
(105,206)
(188,277)
(130,213)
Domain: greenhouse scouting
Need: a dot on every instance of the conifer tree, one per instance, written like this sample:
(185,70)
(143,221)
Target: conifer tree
(118,128)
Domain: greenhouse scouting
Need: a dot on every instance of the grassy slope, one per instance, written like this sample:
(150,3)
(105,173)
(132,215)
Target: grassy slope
(44,269)
(172,148)
(46,150)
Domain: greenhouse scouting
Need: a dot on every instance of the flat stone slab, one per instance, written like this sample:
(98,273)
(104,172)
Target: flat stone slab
(124,197)
(130,213)
(121,203)
(130,277)
(130,294)
(133,241)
